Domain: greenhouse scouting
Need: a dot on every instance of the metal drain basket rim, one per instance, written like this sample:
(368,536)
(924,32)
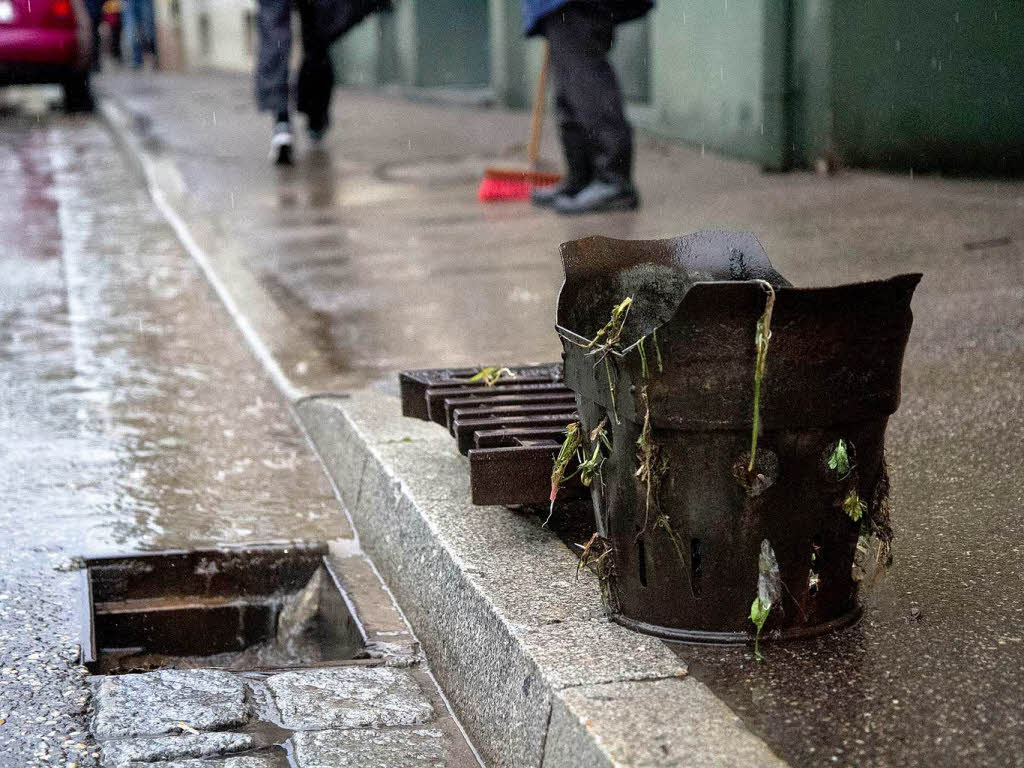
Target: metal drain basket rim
(703,637)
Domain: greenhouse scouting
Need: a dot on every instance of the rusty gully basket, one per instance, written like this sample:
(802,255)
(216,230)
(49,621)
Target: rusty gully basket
(688,532)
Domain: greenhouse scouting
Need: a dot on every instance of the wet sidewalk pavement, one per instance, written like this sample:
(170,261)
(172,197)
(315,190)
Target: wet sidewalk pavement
(374,256)
(391,202)
(134,418)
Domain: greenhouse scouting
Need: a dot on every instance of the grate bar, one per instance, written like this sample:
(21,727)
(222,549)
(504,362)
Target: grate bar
(511,431)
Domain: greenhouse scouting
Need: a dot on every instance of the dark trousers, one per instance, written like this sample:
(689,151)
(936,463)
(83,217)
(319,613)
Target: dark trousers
(316,74)
(596,137)
(139,22)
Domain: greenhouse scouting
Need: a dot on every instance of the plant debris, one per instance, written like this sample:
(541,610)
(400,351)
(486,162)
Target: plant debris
(651,467)
(853,506)
(878,518)
(595,555)
(612,330)
(610,338)
(657,350)
(677,543)
(874,547)
(491,375)
(565,454)
(762,336)
(587,467)
(590,468)
(839,461)
(769,591)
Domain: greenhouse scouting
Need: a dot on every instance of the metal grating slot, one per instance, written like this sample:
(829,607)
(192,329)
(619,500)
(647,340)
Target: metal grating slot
(511,431)
(247,607)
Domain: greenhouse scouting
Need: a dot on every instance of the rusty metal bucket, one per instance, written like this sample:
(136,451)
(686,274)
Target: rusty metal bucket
(683,554)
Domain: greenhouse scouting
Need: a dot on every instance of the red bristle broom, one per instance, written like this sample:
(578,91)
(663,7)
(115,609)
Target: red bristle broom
(501,184)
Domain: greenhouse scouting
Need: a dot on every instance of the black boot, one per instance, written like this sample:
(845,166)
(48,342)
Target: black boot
(611,188)
(579,170)
(598,196)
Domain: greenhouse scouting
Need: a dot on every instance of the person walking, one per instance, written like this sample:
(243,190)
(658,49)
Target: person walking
(596,137)
(95,10)
(139,31)
(316,74)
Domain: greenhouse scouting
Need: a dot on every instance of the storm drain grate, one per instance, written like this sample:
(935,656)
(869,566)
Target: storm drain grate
(241,608)
(511,430)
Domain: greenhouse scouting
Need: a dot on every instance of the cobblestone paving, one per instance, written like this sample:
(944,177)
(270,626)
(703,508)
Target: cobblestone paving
(325,718)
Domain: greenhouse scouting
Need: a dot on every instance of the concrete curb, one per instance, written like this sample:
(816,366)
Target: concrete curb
(512,635)
(535,673)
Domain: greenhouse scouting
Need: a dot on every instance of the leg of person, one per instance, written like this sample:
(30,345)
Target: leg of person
(97,60)
(579,169)
(581,35)
(130,33)
(147,28)
(115,40)
(275,46)
(95,10)
(316,78)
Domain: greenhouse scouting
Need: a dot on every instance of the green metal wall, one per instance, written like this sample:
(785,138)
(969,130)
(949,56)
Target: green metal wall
(716,69)
(422,44)
(631,57)
(929,84)
(809,119)
(453,42)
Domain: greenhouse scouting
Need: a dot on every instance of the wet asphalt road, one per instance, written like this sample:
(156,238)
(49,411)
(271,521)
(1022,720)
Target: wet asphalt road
(378,253)
(132,416)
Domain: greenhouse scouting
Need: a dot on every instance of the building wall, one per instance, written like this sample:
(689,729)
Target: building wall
(715,69)
(785,83)
(208,33)
(357,56)
(930,84)
(810,116)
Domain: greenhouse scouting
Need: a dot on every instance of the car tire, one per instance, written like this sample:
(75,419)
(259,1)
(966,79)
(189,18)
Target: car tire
(78,93)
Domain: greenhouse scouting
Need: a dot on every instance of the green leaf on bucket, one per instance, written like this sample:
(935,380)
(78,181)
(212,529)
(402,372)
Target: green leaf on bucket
(759,615)
(839,461)
(853,506)
(769,591)
(565,454)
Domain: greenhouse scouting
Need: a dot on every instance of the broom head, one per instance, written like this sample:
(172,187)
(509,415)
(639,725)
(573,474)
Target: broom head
(501,184)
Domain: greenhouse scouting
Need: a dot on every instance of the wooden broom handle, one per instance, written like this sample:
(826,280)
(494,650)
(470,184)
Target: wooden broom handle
(537,121)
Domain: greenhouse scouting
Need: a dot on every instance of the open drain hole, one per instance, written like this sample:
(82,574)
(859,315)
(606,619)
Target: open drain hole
(244,608)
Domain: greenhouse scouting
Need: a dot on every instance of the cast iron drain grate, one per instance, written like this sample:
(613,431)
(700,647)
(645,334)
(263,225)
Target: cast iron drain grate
(242,608)
(511,429)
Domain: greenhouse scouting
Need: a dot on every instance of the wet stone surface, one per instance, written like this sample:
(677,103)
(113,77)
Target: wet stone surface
(419,748)
(168,701)
(132,752)
(348,697)
(355,715)
(239,761)
(133,417)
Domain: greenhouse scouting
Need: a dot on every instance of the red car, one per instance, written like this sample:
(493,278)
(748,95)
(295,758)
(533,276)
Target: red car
(47,41)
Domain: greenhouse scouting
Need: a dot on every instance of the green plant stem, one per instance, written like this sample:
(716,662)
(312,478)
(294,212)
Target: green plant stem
(761,338)
(643,359)
(677,544)
(611,388)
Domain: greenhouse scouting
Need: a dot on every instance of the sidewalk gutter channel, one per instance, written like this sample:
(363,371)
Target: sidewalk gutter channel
(536,674)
